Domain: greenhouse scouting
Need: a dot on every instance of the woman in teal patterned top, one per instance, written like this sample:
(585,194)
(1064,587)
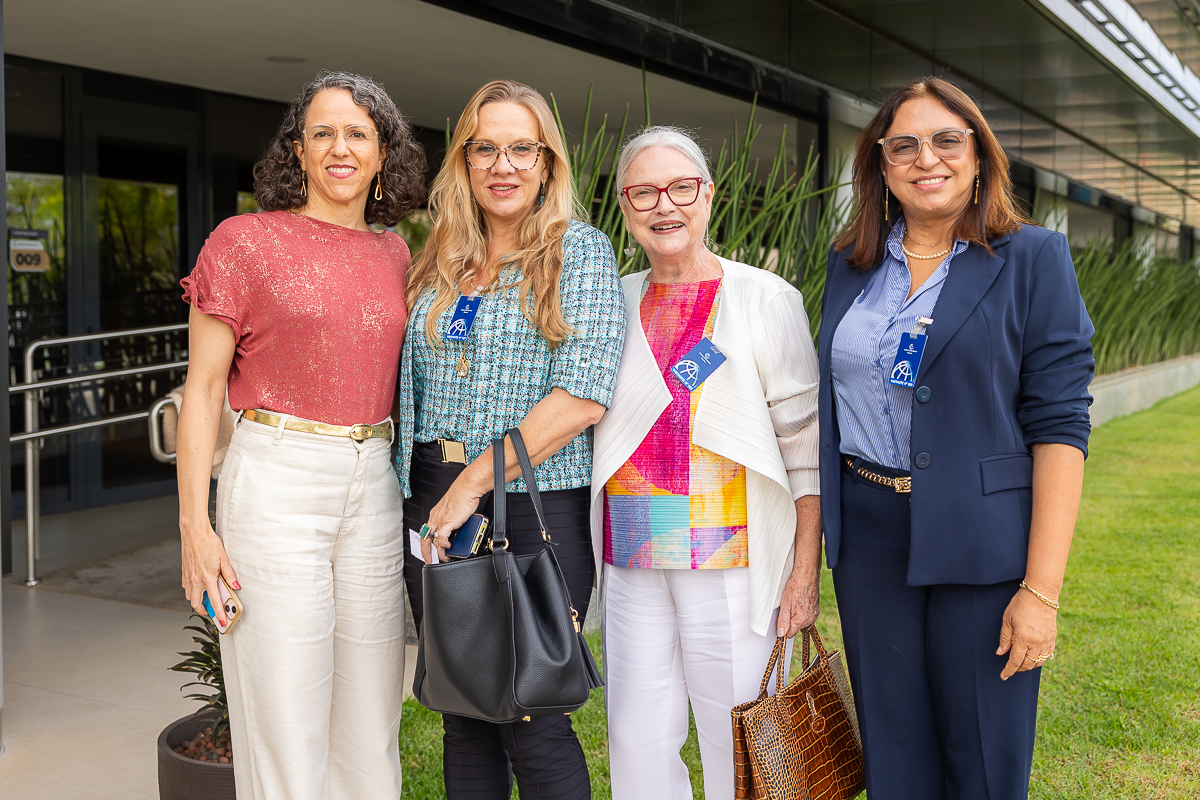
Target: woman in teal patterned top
(538,349)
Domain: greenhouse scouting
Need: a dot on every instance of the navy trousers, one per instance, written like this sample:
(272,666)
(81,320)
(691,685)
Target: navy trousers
(937,722)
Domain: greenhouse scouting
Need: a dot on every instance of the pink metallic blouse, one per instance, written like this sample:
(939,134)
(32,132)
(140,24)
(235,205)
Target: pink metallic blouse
(317,312)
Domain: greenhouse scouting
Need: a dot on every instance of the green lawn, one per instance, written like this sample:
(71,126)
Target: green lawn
(1120,705)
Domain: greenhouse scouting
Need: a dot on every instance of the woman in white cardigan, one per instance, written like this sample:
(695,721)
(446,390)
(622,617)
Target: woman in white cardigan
(705,507)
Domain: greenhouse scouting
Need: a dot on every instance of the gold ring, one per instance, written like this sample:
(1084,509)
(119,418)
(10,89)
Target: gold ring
(1031,658)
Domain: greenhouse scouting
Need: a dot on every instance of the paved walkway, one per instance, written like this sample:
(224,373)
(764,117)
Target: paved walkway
(87,691)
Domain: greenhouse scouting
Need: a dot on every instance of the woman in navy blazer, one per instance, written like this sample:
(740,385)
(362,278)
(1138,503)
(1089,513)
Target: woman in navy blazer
(950,478)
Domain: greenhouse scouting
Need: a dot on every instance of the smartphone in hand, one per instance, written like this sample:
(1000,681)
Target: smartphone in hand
(465,542)
(229,601)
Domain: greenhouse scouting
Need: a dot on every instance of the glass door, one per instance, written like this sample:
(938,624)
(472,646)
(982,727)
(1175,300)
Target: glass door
(143,227)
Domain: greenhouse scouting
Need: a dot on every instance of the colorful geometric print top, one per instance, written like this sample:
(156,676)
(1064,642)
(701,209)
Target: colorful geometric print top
(674,505)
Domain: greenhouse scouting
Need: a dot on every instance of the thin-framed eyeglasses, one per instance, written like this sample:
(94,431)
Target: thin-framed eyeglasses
(905,148)
(644,196)
(358,137)
(521,155)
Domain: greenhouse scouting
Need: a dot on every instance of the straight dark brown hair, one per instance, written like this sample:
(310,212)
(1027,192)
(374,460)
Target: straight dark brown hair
(996,213)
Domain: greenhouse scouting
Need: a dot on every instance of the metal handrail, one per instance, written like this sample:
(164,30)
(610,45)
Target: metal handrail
(32,436)
(156,443)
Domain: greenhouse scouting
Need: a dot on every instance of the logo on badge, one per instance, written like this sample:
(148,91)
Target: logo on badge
(902,372)
(688,372)
(457,328)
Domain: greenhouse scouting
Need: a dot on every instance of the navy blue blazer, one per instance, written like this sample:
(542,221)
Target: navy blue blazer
(1007,365)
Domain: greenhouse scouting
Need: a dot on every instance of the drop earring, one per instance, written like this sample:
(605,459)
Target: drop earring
(542,196)
(378,187)
(304,183)
(886,199)
(976,188)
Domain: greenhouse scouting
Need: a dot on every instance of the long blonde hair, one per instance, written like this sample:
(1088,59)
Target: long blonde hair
(458,243)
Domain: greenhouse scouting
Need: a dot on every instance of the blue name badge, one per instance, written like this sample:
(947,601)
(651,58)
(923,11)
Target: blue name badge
(464,318)
(908,359)
(700,362)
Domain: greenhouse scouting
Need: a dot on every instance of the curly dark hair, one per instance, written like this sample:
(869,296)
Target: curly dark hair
(279,176)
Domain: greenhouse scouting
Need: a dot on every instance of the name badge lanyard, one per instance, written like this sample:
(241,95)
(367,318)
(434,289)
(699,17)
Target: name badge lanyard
(908,355)
(460,326)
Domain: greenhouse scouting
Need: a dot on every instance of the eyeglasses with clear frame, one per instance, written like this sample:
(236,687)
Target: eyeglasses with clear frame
(905,148)
(644,196)
(484,155)
(323,137)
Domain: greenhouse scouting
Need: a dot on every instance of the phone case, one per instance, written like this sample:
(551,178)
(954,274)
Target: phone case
(229,601)
(466,540)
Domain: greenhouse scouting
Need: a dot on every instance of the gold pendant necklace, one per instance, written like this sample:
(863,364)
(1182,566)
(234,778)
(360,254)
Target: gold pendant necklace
(922,244)
(911,254)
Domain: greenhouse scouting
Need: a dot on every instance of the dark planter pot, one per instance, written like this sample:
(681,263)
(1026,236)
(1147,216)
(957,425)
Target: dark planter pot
(182,778)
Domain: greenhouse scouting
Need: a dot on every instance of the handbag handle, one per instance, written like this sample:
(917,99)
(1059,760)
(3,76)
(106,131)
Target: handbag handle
(500,499)
(776,659)
(530,480)
(811,632)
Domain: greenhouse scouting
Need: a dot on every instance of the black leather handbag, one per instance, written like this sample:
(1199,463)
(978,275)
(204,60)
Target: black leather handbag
(500,641)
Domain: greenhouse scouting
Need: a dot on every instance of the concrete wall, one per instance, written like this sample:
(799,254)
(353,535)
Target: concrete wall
(1138,388)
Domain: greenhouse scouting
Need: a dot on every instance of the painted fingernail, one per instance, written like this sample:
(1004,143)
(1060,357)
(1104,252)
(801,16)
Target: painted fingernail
(237,585)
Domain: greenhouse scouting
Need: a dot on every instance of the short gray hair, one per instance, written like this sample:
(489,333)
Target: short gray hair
(662,136)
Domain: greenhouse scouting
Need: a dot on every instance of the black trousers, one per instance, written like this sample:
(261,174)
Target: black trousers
(937,722)
(480,759)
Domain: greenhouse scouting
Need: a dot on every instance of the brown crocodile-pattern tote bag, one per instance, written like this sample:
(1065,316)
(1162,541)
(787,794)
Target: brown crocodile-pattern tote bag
(802,743)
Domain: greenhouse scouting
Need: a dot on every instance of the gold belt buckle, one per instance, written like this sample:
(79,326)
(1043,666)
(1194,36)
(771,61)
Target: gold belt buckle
(903,485)
(360,432)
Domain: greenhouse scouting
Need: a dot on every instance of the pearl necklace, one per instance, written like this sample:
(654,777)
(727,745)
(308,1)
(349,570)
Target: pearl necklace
(911,254)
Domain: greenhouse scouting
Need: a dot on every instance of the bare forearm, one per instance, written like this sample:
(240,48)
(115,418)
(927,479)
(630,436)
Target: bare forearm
(808,536)
(1057,487)
(547,428)
(199,420)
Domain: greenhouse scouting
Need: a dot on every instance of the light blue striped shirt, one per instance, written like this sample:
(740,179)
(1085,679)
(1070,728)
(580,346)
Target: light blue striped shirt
(874,416)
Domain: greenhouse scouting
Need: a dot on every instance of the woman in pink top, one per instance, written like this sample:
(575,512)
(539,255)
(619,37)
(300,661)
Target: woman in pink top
(298,312)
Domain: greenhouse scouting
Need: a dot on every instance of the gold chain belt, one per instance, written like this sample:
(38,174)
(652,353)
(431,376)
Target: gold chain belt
(901,485)
(359,433)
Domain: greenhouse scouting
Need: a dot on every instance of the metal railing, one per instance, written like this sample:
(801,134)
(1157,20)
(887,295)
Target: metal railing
(33,437)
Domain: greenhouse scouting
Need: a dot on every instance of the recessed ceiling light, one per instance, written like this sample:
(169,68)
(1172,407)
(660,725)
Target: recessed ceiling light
(1094,10)
(1115,32)
(1151,67)
(1135,51)
(285,59)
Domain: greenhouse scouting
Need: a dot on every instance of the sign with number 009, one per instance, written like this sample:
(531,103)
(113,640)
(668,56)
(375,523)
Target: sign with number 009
(27,250)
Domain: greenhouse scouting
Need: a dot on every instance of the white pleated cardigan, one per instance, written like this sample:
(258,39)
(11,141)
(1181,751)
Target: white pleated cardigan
(758,409)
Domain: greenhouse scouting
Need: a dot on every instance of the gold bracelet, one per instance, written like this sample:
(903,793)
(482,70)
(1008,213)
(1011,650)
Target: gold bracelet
(1040,596)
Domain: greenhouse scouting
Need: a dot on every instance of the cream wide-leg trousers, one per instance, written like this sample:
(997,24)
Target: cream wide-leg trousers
(314,670)
(674,636)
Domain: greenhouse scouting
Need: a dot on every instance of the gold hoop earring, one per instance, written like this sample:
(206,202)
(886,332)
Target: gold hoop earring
(304,183)
(886,198)
(378,187)
(976,188)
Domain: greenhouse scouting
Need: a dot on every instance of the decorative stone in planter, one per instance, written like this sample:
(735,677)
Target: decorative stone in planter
(183,778)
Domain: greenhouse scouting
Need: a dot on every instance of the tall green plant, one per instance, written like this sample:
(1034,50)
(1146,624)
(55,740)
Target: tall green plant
(1145,310)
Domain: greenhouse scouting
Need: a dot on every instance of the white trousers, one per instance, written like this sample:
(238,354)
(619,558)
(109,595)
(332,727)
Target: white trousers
(674,636)
(315,668)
